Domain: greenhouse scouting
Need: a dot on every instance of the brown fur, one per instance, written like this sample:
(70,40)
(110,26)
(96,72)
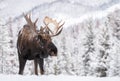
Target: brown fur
(26,36)
(36,46)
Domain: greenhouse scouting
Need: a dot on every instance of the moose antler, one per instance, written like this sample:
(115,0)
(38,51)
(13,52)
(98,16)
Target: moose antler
(42,29)
(29,21)
(58,27)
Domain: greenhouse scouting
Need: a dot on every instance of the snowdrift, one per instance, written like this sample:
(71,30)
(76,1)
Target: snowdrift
(54,78)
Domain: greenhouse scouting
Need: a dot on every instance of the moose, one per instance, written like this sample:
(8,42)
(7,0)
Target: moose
(33,44)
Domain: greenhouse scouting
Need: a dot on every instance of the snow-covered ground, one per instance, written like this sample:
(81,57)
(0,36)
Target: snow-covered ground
(54,78)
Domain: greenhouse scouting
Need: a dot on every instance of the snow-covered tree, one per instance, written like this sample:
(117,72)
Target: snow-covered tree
(89,49)
(114,24)
(4,48)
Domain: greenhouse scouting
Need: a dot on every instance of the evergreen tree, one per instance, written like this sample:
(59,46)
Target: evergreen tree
(4,48)
(89,49)
(103,56)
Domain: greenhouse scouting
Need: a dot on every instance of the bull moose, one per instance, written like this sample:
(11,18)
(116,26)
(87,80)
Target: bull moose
(36,45)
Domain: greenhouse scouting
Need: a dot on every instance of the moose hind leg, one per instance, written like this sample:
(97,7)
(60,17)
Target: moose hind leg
(22,63)
(41,64)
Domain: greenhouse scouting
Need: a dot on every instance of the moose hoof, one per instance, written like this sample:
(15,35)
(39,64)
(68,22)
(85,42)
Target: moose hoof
(42,72)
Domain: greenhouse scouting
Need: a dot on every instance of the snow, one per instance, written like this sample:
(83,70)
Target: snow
(98,14)
(72,11)
(88,28)
(16,7)
(54,78)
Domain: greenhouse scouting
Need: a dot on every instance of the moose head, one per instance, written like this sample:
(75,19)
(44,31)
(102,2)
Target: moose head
(36,45)
(47,35)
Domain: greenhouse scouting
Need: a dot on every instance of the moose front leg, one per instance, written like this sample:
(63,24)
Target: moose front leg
(36,66)
(22,63)
(41,64)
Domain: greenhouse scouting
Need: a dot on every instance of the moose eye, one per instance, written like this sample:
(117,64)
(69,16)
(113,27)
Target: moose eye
(43,42)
